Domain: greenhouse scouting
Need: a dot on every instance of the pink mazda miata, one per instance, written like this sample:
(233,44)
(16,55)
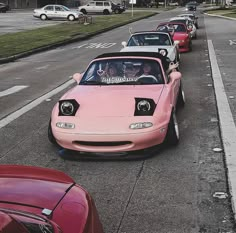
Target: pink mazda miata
(34,199)
(123,102)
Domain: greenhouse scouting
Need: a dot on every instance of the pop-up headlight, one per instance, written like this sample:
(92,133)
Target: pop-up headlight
(144,107)
(68,107)
(163,52)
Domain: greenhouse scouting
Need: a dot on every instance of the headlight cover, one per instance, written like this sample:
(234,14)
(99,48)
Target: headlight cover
(144,107)
(163,52)
(68,107)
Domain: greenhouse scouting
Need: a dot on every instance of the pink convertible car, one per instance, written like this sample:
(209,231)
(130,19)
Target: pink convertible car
(123,102)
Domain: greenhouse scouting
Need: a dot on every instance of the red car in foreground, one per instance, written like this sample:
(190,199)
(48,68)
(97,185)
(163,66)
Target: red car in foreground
(181,35)
(35,200)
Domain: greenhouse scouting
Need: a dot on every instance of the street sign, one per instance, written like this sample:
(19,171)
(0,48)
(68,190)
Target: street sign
(132,1)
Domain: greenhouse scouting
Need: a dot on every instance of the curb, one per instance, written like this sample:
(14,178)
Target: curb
(220,16)
(65,42)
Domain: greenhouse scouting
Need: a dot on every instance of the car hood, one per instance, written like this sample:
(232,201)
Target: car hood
(111,101)
(31,192)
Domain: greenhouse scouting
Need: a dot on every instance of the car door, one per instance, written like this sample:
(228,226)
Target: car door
(99,7)
(49,11)
(60,13)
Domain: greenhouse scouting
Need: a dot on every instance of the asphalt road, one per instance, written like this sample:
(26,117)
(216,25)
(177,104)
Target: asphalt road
(171,192)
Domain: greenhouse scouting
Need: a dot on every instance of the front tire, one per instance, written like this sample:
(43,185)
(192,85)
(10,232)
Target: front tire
(43,17)
(181,97)
(71,17)
(172,135)
(51,137)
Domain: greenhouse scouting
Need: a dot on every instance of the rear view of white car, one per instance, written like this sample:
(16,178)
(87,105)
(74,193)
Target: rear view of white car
(56,12)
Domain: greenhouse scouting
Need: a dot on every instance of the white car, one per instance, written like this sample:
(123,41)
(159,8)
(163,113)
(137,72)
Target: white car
(153,41)
(173,4)
(56,12)
(189,23)
(104,7)
(192,17)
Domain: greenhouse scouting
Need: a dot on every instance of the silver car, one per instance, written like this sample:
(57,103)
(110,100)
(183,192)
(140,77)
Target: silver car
(56,12)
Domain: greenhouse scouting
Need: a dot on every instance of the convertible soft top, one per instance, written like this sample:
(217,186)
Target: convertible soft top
(164,60)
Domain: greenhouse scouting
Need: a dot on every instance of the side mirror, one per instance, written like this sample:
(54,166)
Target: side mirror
(176,42)
(77,77)
(175,75)
(124,43)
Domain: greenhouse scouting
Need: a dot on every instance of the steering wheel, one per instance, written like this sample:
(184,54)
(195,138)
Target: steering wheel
(147,76)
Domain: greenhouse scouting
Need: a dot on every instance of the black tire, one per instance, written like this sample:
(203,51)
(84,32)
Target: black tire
(172,135)
(190,46)
(83,11)
(116,11)
(181,97)
(51,137)
(106,12)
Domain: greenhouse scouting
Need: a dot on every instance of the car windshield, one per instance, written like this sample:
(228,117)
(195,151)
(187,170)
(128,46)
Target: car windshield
(153,39)
(123,71)
(179,27)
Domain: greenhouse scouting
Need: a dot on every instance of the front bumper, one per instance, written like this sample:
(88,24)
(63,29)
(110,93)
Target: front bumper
(184,47)
(110,142)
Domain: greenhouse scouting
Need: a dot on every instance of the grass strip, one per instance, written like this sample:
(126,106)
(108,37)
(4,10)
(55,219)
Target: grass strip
(20,42)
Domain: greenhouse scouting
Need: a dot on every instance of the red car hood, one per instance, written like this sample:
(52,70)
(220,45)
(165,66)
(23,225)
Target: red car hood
(111,101)
(37,191)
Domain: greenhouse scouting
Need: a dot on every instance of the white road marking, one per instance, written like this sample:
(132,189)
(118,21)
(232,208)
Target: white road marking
(5,121)
(95,45)
(227,125)
(100,45)
(12,90)
(42,67)
(232,42)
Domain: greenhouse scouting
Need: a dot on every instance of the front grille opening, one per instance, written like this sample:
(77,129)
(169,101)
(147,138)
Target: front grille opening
(117,143)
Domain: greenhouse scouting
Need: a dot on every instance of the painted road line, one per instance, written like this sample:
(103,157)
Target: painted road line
(12,90)
(227,125)
(11,117)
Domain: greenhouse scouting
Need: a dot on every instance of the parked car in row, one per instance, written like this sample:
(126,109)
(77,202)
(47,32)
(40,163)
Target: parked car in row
(189,24)
(42,200)
(124,101)
(117,8)
(151,41)
(190,7)
(193,17)
(104,7)
(56,12)
(181,35)
(4,7)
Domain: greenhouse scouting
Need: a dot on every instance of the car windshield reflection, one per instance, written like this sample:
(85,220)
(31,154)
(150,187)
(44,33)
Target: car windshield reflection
(123,72)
